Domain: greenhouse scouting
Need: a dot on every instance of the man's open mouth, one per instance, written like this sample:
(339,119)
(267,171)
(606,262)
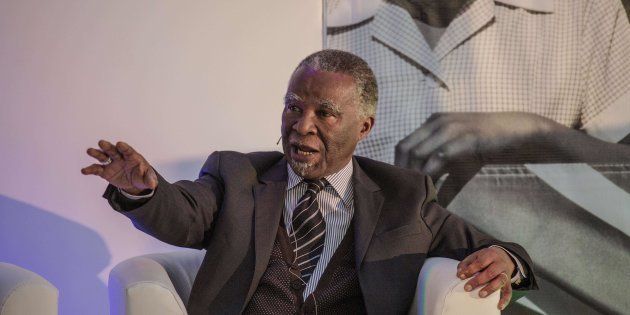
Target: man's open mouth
(303,150)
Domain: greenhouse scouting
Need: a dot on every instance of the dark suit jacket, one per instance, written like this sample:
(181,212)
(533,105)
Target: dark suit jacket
(234,208)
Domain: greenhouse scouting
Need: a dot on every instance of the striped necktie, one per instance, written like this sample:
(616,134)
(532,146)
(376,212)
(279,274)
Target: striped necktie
(308,229)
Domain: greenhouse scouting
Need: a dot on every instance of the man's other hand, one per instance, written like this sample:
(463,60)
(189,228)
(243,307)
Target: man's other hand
(122,167)
(448,139)
(489,267)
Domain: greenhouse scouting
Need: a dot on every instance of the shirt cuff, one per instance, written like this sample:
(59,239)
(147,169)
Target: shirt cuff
(134,197)
(521,273)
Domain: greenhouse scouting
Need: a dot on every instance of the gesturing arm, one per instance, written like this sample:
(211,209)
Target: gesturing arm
(180,214)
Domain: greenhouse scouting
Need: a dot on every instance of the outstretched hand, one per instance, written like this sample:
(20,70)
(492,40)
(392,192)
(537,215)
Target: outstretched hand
(489,267)
(122,167)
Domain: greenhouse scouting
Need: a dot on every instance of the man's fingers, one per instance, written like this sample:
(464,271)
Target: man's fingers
(150,178)
(487,275)
(137,177)
(110,150)
(483,259)
(126,150)
(432,142)
(434,164)
(94,169)
(432,138)
(98,154)
(492,271)
(454,150)
(404,148)
(506,295)
(446,143)
(464,264)
(143,177)
(494,285)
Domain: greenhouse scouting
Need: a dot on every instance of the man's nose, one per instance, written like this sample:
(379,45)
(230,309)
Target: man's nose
(305,125)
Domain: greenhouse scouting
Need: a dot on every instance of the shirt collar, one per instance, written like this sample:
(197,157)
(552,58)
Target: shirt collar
(545,6)
(341,181)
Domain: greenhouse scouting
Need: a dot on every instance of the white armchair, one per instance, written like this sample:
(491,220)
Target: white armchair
(25,292)
(161,283)
(439,291)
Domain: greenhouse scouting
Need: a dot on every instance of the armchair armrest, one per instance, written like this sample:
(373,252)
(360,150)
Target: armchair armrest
(439,291)
(153,284)
(161,283)
(25,292)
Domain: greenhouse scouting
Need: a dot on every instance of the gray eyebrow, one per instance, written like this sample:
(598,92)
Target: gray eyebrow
(328,104)
(290,96)
(325,103)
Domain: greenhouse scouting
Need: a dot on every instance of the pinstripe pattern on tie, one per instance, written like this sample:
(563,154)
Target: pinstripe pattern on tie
(308,229)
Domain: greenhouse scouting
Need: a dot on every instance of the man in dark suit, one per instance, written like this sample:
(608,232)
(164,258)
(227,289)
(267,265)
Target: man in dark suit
(313,230)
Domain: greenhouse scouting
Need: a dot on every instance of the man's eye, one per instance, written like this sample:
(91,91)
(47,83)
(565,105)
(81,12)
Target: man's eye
(293,108)
(326,114)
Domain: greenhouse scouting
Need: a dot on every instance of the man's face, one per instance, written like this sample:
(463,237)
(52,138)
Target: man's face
(321,122)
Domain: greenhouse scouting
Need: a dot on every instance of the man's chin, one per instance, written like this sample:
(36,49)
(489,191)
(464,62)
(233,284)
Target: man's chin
(303,169)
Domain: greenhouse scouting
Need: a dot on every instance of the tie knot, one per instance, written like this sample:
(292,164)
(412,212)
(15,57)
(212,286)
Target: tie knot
(316,185)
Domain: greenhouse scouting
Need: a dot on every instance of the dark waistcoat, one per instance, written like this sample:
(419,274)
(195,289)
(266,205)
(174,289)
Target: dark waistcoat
(280,288)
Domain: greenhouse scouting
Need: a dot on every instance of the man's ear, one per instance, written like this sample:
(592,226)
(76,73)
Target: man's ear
(366,127)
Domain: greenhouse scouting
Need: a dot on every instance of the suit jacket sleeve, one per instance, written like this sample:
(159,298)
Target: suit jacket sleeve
(181,213)
(456,239)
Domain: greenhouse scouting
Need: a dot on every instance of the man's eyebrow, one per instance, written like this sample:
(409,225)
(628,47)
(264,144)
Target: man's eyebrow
(290,96)
(324,103)
(330,105)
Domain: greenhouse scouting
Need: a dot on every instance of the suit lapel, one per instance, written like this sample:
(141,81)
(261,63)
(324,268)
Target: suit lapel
(368,200)
(268,205)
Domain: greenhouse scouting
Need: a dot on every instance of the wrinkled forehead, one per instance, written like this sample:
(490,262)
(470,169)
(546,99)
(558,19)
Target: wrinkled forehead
(307,82)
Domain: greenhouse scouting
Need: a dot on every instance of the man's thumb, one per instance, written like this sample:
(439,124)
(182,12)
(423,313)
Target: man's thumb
(150,179)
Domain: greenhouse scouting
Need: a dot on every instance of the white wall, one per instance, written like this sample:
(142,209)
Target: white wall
(175,79)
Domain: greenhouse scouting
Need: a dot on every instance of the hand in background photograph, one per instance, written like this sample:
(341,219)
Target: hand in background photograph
(470,140)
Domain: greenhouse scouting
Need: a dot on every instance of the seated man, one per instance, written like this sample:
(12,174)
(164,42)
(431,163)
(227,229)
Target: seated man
(315,229)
